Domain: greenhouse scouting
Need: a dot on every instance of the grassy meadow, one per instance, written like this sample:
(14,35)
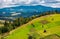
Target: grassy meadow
(38,28)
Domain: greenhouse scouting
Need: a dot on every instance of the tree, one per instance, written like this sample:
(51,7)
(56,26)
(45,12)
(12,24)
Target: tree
(6,23)
(33,17)
(10,27)
(0,30)
(32,24)
(16,22)
(56,11)
(44,31)
(21,21)
(26,20)
(30,37)
(4,29)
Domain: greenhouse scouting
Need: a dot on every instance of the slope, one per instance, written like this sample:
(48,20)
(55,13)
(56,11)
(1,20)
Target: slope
(39,27)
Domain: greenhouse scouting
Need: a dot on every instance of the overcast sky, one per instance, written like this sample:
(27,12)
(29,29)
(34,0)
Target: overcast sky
(49,3)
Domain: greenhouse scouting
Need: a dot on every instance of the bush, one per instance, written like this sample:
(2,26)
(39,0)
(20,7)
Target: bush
(3,30)
(30,37)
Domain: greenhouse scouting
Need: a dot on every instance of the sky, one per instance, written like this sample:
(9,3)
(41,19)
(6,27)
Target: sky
(12,3)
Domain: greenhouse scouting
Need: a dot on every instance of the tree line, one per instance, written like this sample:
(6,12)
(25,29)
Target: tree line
(20,21)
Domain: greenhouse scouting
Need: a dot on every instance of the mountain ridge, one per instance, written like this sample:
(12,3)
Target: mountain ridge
(37,7)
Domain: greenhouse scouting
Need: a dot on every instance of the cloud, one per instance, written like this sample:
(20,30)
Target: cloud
(12,3)
(51,3)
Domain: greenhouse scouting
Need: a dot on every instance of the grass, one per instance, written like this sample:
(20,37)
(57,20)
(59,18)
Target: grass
(53,36)
(53,27)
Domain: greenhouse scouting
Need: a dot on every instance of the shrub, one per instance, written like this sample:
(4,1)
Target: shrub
(3,30)
(30,37)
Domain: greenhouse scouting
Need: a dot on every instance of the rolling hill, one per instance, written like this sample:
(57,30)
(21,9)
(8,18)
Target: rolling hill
(37,28)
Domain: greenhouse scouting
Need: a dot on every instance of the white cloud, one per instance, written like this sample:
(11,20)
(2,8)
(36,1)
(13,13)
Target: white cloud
(50,3)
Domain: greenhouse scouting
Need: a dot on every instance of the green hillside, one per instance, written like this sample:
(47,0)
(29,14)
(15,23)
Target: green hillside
(37,28)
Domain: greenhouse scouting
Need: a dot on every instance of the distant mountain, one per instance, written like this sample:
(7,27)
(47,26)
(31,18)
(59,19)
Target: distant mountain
(28,8)
(25,11)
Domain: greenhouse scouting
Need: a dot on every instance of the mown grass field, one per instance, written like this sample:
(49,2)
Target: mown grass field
(51,27)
